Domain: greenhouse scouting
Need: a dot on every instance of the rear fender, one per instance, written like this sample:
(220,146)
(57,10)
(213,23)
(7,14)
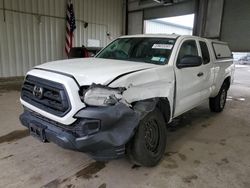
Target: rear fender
(223,71)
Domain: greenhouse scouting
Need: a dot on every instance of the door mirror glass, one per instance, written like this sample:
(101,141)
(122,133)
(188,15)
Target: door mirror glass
(189,61)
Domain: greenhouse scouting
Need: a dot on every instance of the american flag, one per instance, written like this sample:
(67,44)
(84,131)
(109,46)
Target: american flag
(70,27)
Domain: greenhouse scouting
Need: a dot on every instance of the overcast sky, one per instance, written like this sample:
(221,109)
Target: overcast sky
(187,20)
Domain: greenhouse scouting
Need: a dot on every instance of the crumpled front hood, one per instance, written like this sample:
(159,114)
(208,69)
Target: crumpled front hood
(95,70)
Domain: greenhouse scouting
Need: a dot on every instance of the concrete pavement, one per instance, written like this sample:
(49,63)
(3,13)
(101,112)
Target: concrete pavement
(204,150)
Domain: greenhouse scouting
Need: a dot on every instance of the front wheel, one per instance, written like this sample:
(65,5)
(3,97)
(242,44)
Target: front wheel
(149,143)
(217,103)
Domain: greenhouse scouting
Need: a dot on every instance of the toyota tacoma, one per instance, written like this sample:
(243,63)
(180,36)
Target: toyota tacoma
(121,101)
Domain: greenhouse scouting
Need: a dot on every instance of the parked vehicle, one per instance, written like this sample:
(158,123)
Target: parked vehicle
(244,60)
(80,52)
(122,100)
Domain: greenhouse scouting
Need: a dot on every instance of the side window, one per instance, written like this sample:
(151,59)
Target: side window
(187,48)
(204,52)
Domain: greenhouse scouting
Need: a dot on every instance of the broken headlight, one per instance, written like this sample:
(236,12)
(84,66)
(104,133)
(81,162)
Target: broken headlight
(98,95)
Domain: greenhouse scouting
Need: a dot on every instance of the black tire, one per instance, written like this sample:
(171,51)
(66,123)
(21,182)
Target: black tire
(148,145)
(218,103)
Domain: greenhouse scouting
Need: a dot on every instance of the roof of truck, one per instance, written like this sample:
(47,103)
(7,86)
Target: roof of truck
(174,36)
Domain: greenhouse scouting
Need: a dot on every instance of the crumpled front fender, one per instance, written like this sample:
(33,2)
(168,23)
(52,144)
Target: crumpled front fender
(157,89)
(148,84)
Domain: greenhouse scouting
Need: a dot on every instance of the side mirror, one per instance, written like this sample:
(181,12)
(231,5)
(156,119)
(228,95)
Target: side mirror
(189,61)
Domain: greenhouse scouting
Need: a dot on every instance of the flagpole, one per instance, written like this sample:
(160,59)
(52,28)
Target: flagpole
(70,27)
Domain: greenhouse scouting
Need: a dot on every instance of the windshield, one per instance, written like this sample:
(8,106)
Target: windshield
(148,50)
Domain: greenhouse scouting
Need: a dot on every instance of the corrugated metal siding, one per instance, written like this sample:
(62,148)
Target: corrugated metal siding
(178,9)
(27,40)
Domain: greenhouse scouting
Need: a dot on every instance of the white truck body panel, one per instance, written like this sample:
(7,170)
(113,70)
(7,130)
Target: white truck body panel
(94,70)
(160,83)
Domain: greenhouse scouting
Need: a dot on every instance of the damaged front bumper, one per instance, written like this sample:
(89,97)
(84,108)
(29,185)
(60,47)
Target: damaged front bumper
(101,132)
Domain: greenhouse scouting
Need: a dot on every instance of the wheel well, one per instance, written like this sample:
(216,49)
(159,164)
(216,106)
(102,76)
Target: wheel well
(164,107)
(227,81)
(145,106)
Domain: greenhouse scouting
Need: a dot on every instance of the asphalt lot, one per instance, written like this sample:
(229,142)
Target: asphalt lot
(204,150)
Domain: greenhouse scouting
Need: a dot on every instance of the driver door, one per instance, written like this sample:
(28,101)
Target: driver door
(188,80)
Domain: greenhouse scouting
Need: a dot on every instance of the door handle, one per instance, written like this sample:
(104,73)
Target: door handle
(200,74)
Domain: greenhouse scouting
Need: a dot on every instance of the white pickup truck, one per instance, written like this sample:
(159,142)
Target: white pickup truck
(121,101)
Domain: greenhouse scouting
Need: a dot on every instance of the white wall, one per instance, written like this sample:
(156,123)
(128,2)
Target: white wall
(152,27)
(27,40)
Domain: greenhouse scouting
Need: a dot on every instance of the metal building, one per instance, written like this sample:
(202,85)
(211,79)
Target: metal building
(33,31)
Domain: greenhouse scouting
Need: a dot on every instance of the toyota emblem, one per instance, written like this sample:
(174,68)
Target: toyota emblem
(38,92)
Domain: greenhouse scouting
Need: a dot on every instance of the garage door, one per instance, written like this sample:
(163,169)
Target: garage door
(236,24)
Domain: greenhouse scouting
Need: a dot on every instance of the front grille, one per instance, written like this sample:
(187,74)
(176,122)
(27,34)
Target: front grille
(47,95)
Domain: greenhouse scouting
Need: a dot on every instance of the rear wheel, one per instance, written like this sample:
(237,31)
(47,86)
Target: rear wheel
(149,143)
(217,103)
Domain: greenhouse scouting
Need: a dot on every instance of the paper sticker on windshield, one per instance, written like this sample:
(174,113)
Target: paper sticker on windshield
(155,58)
(162,46)
(162,59)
